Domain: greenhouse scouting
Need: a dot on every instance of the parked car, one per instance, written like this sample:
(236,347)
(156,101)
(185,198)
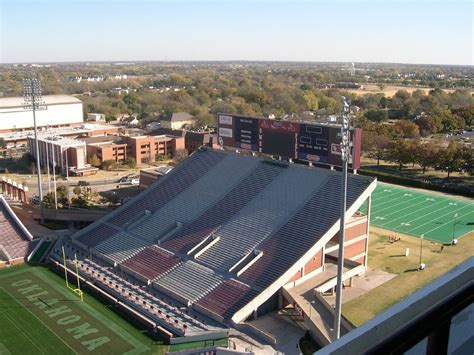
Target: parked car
(83,183)
(135,181)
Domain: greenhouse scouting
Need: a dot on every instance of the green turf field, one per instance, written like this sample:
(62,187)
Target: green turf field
(417,213)
(38,315)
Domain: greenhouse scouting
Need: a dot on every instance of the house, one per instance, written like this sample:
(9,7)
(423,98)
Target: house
(131,121)
(178,120)
(120,91)
(95,117)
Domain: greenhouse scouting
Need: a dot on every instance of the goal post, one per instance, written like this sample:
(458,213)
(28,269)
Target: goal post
(77,290)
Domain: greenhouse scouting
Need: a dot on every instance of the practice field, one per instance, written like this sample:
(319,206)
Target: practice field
(39,315)
(436,217)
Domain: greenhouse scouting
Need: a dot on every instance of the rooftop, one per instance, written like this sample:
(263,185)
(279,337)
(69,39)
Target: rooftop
(179,117)
(76,130)
(60,140)
(8,102)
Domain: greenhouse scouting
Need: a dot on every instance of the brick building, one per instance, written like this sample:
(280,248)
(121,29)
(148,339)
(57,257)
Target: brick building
(140,148)
(192,139)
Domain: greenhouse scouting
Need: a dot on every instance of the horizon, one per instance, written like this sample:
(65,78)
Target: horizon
(393,32)
(229,61)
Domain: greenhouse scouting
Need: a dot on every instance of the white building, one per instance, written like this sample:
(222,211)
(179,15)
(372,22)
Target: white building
(95,117)
(59,110)
(66,154)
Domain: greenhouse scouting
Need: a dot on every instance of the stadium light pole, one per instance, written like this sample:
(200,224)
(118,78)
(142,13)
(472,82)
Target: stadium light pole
(34,101)
(345,150)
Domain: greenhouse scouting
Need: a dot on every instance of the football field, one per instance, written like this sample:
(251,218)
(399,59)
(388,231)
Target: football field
(38,315)
(438,218)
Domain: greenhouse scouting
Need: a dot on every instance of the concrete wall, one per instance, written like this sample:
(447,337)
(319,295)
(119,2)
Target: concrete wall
(314,263)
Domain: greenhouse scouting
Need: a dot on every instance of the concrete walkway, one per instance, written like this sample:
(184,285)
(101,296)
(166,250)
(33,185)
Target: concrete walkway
(318,314)
(371,279)
(26,215)
(286,334)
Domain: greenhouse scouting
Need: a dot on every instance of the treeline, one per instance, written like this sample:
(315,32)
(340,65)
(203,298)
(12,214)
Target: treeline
(453,158)
(438,111)
(287,90)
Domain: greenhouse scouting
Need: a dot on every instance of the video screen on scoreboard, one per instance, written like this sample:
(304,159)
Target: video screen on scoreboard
(279,143)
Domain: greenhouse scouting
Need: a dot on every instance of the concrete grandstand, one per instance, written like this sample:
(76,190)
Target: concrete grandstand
(218,238)
(16,242)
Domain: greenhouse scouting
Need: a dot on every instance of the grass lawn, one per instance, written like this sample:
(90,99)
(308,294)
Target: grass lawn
(39,315)
(390,257)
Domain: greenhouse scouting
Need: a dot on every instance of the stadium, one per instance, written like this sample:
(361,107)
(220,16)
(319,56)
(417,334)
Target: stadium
(213,243)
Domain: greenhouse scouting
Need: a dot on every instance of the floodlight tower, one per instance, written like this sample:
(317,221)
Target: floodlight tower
(34,101)
(345,151)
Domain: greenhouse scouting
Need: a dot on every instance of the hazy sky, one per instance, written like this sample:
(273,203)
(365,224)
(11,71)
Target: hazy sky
(416,31)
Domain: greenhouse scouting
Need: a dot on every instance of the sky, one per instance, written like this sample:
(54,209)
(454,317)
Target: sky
(394,31)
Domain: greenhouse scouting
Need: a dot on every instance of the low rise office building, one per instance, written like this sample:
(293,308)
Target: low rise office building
(141,148)
(65,154)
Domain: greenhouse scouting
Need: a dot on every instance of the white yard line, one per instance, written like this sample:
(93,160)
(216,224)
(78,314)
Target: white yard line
(417,212)
(453,212)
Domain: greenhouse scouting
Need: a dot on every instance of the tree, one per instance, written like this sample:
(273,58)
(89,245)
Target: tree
(48,200)
(77,190)
(427,125)
(61,191)
(311,101)
(452,158)
(93,160)
(3,144)
(131,162)
(379,149)
(400,152)
(179,156)
(109,164)
(407,129)
(467,113)
(377,115)
(79,202)
(426,155)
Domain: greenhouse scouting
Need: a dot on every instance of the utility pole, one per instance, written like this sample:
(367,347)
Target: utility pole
(454,228)
(421,251)
(345,151)
(34,101)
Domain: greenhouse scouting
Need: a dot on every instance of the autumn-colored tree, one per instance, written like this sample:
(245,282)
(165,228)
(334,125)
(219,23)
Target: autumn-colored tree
(93,160)
(426,155)
(400,152)
(452,158)
(179,156)
(427,125)
(381,144)
(407,129)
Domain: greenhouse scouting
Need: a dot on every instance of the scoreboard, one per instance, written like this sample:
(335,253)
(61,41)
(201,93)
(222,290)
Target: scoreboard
(317,143)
